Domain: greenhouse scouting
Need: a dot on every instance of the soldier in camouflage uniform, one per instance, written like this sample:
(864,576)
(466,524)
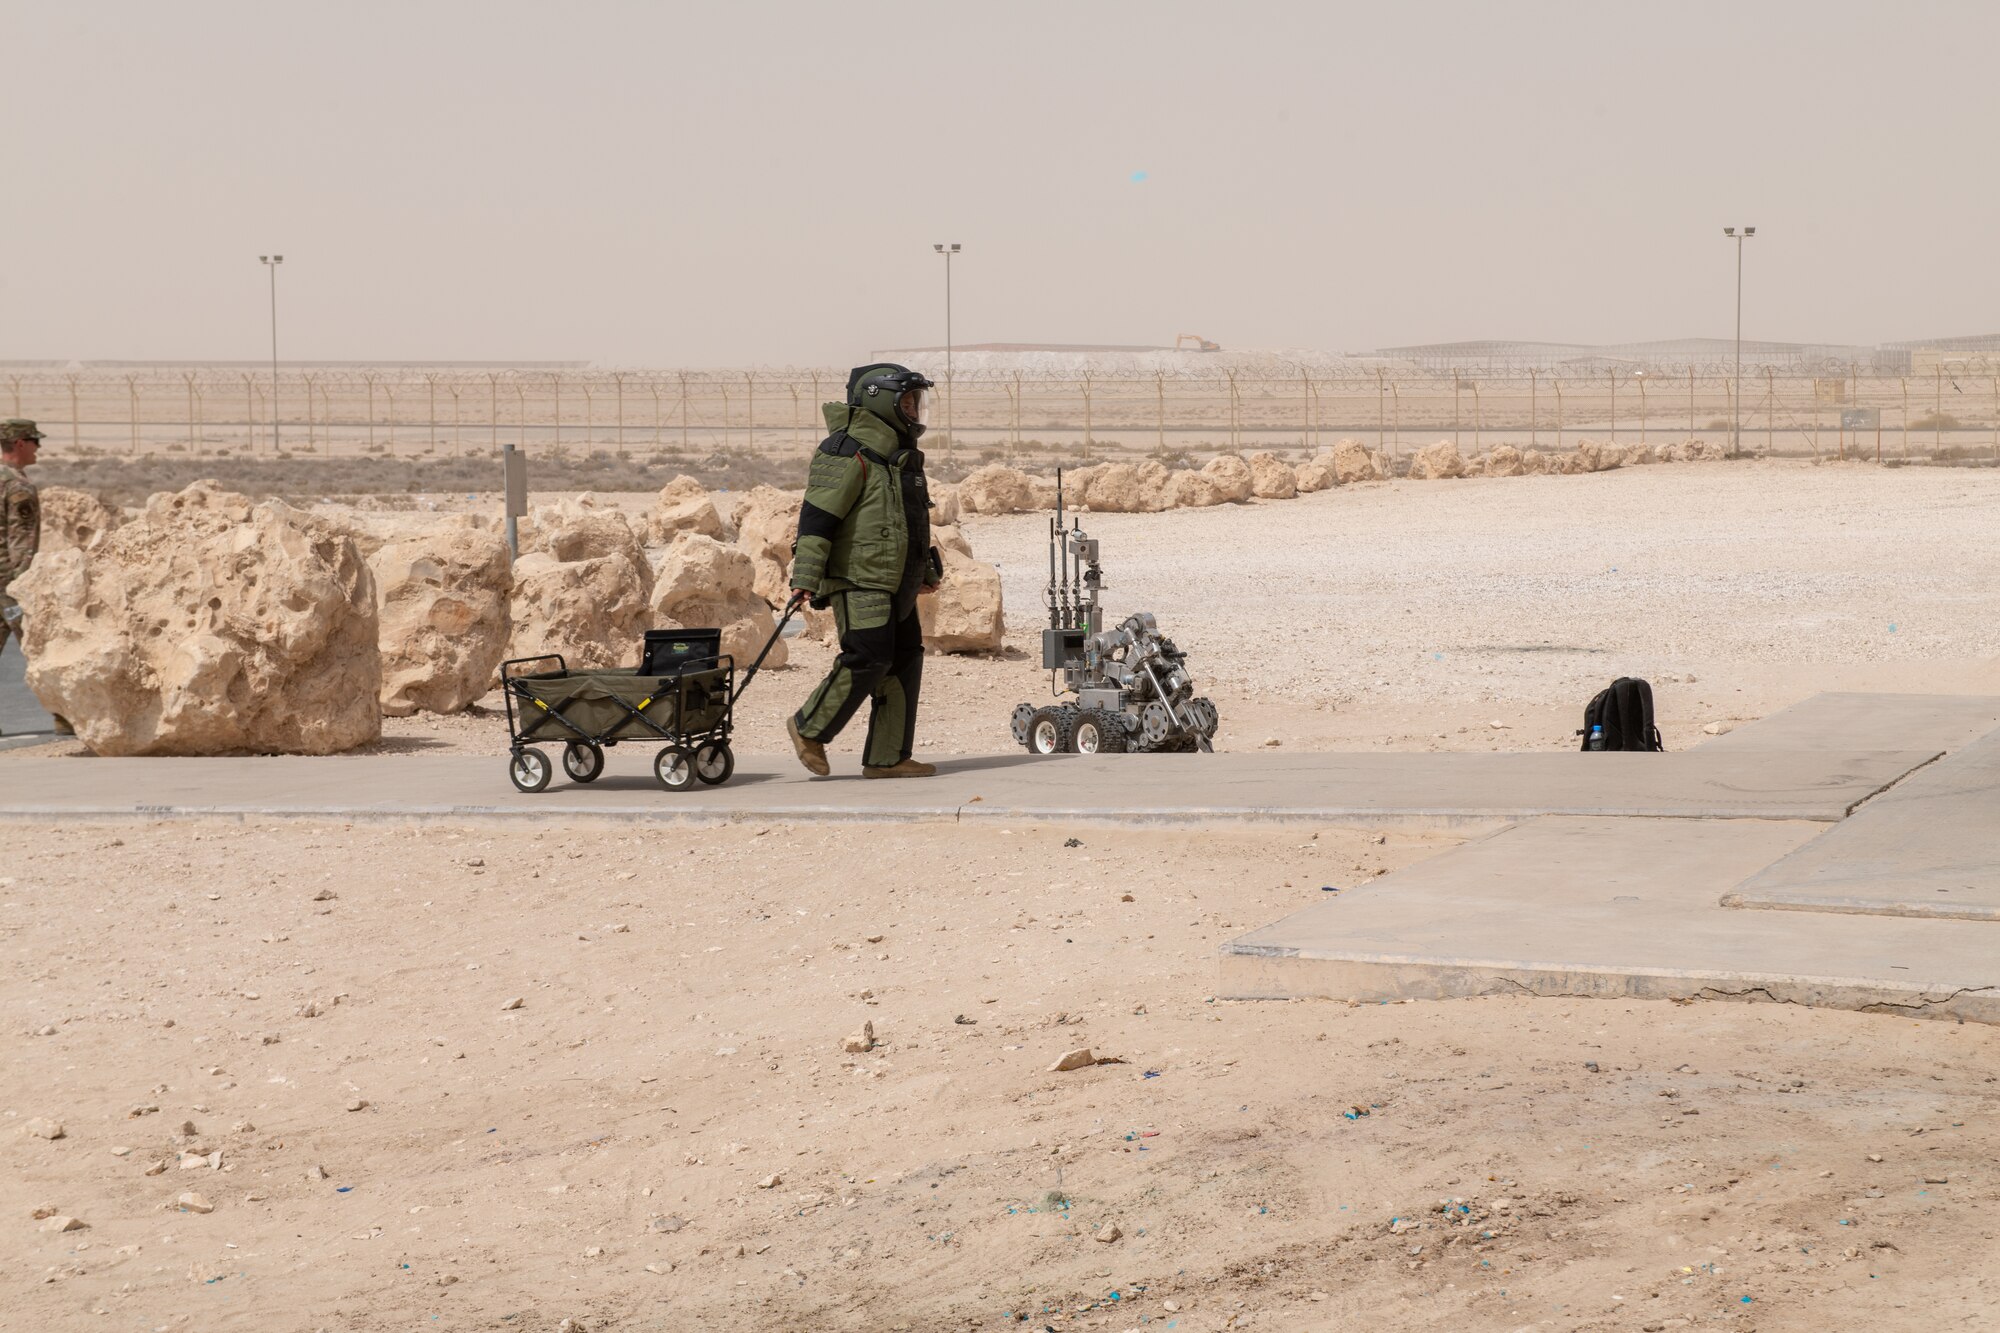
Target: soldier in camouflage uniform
(20,516)
(864,547)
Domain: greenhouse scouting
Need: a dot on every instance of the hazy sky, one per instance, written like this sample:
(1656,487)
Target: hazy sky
(760,184)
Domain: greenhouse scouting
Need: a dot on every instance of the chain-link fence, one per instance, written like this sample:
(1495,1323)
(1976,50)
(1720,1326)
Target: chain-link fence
(1949,414)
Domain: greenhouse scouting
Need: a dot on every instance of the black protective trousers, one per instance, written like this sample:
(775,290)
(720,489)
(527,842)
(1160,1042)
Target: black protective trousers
(881,660)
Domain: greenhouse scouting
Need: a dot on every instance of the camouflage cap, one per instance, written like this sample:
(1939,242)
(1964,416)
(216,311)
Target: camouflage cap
(15,429)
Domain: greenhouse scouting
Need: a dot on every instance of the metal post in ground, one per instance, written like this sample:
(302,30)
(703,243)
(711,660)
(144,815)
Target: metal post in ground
(271,262)
(950,435)
(1736,417)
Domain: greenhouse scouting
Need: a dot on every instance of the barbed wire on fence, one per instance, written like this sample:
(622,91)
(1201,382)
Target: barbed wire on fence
(1953,405)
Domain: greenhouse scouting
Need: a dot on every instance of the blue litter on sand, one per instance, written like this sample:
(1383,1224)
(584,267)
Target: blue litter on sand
(1746,1299)
(1328,888)
(1152,1073)
(342,1189)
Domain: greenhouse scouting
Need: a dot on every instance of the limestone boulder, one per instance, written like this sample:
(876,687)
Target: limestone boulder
(207,625)
(964,615)
(1436,462)
(683,505)
(1125,488)
(949,537)
(1193,490)
(75,519)
(707,584)
(574,531)
(1502,460)
(944,502)
(1272,478)
(593,611)
(1232,477)
(1595,456)
(1533,462)
(444,619)
(372,531)
(1353,462)
(1639,455)
(1315,474)
(767,523)
(995,489)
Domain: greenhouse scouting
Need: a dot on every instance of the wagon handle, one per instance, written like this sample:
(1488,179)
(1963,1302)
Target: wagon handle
(798,600)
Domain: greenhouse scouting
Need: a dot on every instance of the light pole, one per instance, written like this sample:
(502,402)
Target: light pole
(947,251)
(1736,403)
(271,262)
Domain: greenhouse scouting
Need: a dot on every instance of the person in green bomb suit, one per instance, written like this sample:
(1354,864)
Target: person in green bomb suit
(864,548)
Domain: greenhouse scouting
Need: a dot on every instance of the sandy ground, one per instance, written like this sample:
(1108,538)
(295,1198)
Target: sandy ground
(599,1154)
(666,1133)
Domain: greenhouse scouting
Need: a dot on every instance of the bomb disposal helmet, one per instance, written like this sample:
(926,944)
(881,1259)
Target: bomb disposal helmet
(894,393)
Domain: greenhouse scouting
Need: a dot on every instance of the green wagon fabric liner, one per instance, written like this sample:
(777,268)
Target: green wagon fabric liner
(589,700)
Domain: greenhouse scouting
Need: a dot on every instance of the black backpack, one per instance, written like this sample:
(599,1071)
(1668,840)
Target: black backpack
(1625,711)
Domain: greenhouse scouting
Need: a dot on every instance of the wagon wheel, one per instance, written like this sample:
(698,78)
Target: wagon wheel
(674,767)
(530,770)
(713,762)
(583,761)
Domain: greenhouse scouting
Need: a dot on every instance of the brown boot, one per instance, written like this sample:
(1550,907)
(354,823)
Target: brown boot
(908,768)
(811,753)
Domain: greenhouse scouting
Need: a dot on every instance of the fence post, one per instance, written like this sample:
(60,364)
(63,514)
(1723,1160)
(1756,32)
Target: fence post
(521,421)
(250,411)
(1086,415)
(457,436)
(371,412)
(1690,402)
(1478,416)
(493,409)
(589,417)
(796,442)
(1235,415)
(1770,412)
(1017,411)
(1454,409)
(1532,387)
(1395,440)
(1937,414)
(684,410)
(1306,405)
(1905,382)
(1379,407)
(75,434)
(750,413)
(723,385)
(1613,376)
(555,388)
(618,381)
(311,381)
(188,376)
(654,386)
(1557,384)
(1159,410)
(431,380)
(389,388)
(1642,407)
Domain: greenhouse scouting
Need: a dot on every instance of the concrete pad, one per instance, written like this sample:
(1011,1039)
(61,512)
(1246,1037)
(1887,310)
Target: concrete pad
(1928,847)
(1868,722)
(1360,789)
(1611,908)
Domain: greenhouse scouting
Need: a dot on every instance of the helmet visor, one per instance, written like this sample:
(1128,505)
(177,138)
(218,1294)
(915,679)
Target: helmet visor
(915,406)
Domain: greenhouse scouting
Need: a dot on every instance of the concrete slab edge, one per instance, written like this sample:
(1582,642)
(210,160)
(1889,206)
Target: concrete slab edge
(1813,902)
(1264,973)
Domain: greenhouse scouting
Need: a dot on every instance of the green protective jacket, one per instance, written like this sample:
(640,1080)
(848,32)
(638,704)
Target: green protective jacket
(865,522)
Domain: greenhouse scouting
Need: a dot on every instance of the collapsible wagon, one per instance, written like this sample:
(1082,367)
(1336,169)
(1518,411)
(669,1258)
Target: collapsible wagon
(682,695)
